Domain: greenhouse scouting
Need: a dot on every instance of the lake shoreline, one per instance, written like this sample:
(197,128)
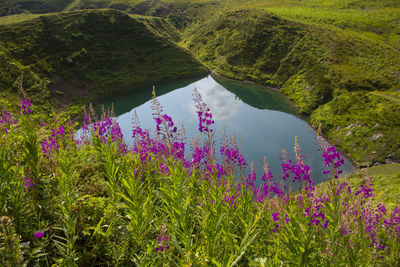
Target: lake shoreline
(307,118)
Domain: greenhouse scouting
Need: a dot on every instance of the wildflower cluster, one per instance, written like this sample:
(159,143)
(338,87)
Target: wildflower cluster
(162,239)
(6,119)
(269,186)
(161,204)
(203,113)
(28,183)
(50,142)
(26,106)
(232,158)
(106,130)
(332,158)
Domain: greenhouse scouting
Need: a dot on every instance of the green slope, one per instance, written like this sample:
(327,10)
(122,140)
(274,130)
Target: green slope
(318,68)
(85,54)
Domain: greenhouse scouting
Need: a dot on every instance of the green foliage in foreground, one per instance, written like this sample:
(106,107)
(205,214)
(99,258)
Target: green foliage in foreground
(95,204)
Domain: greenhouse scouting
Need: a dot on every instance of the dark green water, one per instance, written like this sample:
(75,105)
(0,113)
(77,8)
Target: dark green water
(262,120)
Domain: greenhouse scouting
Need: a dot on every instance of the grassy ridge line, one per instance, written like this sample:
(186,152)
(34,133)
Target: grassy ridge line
(383,22)
(72,5)
(6,20)
(99,50)
(343,4)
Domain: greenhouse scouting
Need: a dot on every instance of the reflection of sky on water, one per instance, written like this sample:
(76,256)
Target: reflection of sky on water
(221,102)
(261,132)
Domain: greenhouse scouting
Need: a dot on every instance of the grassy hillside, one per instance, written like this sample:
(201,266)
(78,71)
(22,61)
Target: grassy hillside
(85,54)
(11,7)
(317,67)
(386,180)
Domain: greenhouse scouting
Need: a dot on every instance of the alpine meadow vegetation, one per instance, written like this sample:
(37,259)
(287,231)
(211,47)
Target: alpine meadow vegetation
(73,192)
(86,198)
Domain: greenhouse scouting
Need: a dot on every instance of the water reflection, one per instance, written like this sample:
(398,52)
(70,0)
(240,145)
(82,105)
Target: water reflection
(222,103)
(263,121)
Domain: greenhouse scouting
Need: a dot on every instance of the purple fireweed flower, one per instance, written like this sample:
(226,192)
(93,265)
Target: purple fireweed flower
(5,117)
(178,150)
(332,158)
(26,106)
(28,183)
(49,143)
(48,146)
(6,120)
(343,185)
(59,131)
(298,170)
(38,234)
(232,156)
(162,242)
(162,239)
(269,187)
(164,169)
(107,130)
(275,216)
(286,218)
(86,122)
(203,113)
(199,155)
(392,223)
(250,180)
(366,191)
(381,208)
(229,198)
(166,128)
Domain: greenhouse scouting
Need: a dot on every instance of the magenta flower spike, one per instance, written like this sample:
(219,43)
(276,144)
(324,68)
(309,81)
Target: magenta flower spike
(28,183)
(38,234)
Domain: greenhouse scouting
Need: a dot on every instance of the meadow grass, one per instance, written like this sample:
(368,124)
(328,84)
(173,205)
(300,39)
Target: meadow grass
(17,18)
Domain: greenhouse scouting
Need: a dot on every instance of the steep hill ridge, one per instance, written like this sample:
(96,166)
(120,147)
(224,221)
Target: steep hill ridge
(98,51)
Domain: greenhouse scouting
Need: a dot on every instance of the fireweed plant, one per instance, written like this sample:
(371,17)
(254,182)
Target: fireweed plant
(89,199)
